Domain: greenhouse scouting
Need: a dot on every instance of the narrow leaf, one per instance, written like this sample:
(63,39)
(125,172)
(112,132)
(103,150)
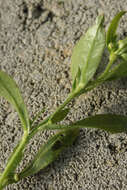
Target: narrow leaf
(59,116)
(10,91)
(111,33)
(44,156)
(88,51)
(50,151)
(108,122)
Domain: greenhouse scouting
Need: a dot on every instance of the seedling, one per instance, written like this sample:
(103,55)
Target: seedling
(85,60)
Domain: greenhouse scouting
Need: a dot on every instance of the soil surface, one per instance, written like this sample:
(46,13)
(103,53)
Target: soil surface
(36,42)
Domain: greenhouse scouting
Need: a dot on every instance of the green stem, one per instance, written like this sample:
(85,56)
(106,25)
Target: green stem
(112,59)
(12,160)
(72,95)
(36,116)
(25,139)
(38,128)
(69,98)
(101,78)
(48,120)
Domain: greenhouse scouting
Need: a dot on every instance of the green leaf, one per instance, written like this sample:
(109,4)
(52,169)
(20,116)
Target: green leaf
(10,91)
(50,151)
(124,56)
(88,52)
(77,79)
(117,72)
(59,116)
(111,33)
(44,156)
(122,49)
(109,122)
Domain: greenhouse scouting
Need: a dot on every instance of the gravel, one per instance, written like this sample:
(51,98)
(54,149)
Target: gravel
(36,42)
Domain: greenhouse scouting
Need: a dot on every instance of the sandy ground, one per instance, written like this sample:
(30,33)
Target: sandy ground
(36,42)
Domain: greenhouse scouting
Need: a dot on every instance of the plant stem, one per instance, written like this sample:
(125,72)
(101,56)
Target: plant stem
(102,77)
(112,59)
(72,95)
(12,160)
(48,120)
(38,128)
(75,93)
(69,98)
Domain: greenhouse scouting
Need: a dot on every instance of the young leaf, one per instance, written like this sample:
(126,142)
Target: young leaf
(111,33)
(10,91)
(59,116)
(88,51)
(117,72)
(50,151)
(108,122)
(122,49)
